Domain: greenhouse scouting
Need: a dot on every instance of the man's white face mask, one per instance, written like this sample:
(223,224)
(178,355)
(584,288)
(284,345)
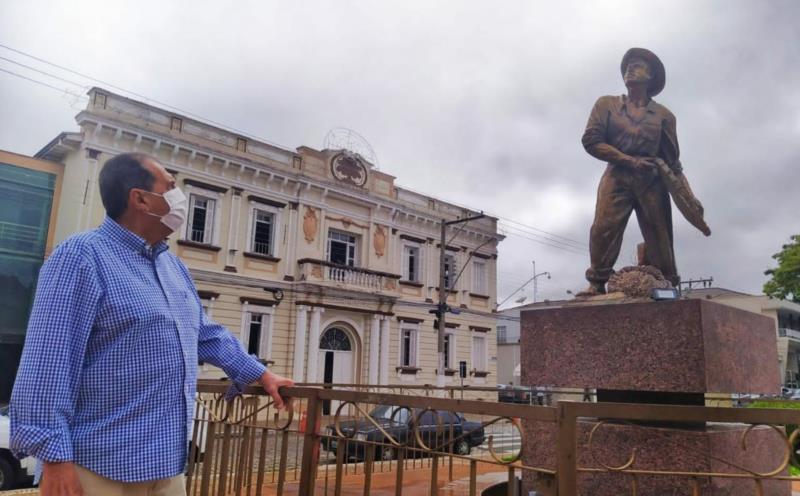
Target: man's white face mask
(178,208)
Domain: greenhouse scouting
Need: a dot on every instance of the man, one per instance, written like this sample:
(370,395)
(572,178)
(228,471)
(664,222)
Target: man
(629,132)
(106,384)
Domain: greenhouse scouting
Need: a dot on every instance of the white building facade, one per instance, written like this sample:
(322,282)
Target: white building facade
(317,261)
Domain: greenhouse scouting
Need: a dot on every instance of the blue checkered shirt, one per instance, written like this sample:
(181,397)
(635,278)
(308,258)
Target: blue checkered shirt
(109,368)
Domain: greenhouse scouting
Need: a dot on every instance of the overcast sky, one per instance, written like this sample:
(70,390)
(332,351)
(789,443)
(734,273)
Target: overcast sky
(479,103)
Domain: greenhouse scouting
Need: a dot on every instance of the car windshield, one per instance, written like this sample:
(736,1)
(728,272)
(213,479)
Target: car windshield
(386,411)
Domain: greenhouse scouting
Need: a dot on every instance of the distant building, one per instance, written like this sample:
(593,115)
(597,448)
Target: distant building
(508,357)
(350,260)
(28,190)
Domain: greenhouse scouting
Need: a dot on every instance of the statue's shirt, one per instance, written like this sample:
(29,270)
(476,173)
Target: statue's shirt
(650,134)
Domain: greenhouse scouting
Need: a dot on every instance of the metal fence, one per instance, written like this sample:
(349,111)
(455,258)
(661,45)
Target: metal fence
(356,439)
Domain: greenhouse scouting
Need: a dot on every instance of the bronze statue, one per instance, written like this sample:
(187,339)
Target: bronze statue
(637,138)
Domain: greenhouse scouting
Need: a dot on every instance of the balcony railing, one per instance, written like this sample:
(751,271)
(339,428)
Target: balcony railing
(330,444)
(344,275)
(786,332)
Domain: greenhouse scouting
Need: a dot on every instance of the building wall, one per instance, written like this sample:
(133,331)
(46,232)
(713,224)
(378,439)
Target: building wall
(28,190)
(307,200)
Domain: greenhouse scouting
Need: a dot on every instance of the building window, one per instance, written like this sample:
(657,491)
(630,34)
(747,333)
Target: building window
(479,277)
(449,271)
(342,248)
(256,333)
(263,223)
(99,99)
(201,219)
(408,347)
(176,124)
(241,144)
(411,263)
(501,334)
(449,350)
(479,352)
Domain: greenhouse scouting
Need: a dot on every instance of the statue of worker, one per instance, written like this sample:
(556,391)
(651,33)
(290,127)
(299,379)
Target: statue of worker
(631,133)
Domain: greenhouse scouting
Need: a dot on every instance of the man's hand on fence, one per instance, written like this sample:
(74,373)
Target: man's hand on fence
(271,383)
(60,479)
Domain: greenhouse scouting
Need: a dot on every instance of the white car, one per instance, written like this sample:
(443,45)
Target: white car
(13,472)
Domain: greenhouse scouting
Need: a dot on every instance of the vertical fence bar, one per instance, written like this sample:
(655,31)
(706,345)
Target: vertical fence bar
(308,467)
(369,455)
(398,488)
(262,459)
(511,490)
(223,461)
(208,458)
(473,477)
(434,474)
(284,456)
(567,451)
(341,449)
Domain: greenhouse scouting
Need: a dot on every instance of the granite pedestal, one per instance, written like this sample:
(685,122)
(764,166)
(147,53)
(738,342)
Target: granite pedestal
(682,346)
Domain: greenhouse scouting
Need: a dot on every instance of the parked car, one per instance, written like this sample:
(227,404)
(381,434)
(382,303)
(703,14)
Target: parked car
(508,393)
(398,422)
(13,472)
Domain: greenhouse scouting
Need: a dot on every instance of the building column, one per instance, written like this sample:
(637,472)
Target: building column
(313,344)
(374,349)
(384,354)
(300,344)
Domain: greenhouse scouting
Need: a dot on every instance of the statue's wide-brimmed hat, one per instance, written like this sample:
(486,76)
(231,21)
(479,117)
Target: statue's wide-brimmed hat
(659,75)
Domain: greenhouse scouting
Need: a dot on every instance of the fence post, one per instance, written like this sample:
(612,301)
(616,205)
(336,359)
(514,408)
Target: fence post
(311,447)
(567,451)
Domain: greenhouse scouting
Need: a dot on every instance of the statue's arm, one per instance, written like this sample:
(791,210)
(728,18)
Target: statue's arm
(594,137)
(670,151)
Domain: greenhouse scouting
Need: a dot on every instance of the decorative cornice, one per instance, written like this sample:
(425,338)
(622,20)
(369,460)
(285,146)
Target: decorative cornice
(268,258)
(200,184)
(266,201)
(410,320)
(207,295)
(344,308)
(257,301)
(480,329)
(200,246)
(412,238)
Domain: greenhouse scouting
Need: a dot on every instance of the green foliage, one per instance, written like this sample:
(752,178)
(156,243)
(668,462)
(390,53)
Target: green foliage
(794,468)
(784,280)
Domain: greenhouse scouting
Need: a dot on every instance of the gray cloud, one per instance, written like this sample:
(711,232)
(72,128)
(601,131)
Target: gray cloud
(482,105)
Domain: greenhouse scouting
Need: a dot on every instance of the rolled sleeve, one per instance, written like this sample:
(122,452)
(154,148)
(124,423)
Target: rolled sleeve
(45,390)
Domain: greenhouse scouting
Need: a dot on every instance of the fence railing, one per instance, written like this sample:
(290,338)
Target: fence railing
(355,439)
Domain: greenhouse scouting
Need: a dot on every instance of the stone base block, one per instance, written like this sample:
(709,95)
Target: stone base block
(703,450)
(687,346)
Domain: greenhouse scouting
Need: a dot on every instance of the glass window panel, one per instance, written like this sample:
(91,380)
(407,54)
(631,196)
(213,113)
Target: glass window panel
(262,233)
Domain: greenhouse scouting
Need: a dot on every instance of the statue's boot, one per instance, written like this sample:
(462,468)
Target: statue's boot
(594,289)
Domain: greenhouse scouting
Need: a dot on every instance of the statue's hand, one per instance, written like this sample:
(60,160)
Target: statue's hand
(644,164)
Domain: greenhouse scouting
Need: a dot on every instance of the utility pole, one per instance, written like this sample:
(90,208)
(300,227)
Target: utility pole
(441,309)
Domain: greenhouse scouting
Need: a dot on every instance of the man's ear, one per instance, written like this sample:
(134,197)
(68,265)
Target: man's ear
(137,200)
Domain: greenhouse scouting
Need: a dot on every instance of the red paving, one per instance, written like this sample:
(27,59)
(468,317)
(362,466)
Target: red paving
(415,482)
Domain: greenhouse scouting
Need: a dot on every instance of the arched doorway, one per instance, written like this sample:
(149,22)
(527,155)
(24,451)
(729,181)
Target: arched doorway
(335,360)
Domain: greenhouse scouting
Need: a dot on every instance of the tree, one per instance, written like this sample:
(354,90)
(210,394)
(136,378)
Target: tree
(784,280)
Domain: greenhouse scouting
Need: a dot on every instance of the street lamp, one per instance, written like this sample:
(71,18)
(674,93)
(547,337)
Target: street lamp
(536,276)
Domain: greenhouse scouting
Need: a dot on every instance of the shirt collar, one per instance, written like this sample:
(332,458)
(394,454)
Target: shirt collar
(651,104)
(134,242)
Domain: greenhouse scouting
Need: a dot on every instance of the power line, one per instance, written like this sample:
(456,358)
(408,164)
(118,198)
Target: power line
(43,72)
(60,90)
(146,98)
